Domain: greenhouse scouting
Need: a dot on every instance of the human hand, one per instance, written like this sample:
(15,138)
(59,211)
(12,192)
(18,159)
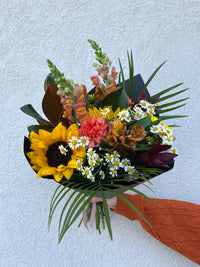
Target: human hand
(111,202)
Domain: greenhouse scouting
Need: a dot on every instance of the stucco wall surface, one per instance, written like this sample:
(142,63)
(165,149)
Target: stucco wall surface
(31,32)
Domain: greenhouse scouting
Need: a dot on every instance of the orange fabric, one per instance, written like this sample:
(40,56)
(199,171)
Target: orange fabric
(176,224)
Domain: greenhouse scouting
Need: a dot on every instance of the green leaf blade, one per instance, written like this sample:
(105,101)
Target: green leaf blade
(164,91)
(107,216)
(171,95)
(29,110)
(151,78)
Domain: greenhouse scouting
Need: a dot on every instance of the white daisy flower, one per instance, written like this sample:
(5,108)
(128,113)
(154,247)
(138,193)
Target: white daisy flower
(150,111)
(129,169)
(124,115)
(79,165)
(155,129)
(63,150)
(125,162)
(137,109)
(84,141)
(91,154)
(92,179)
(113,172)
(98,159)
(74,142)
(102,174)
(168,131)
(92,164)
(86,172)
(115,155)
(108,157)
(138,113)
(173,150)
(166,140)
(144,104)
(116,164)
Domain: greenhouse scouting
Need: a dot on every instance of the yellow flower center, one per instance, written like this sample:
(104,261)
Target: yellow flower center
(125,163)
(91,153)
(86,172)
(83,140)
(109,157)
(74,142)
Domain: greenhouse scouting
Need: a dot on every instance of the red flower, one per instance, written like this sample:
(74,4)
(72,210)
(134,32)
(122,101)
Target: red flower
(94,129)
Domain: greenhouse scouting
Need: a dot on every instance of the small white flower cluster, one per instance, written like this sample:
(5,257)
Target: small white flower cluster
(93,160)
(74,142)
(125,115)
(143,109)
(114,163)
(136,175)
(110,161)
(165,133)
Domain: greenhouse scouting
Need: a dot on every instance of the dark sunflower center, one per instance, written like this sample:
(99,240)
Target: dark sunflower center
(57,156)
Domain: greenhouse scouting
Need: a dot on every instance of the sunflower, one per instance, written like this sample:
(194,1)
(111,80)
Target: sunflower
(52,154)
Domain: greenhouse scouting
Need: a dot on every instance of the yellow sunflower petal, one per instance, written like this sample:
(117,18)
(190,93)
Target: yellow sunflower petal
(72,131)
(72,163)
(58,133)
(80,153)
(58,176)
(46,171)
(68,173)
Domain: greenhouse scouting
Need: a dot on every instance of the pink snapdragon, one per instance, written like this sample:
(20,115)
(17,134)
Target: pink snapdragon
(76,103)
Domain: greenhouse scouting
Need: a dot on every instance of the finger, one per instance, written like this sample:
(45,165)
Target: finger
(96,199)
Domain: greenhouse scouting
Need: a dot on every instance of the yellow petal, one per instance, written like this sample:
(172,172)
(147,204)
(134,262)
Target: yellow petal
(58,176)
(72,163)
(80,153)
(68,173)
(46,171)
(57,133)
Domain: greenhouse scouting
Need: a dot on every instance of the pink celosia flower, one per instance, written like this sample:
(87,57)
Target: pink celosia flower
(94,129)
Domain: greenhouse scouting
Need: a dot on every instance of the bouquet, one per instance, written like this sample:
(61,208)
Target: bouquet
(102,142)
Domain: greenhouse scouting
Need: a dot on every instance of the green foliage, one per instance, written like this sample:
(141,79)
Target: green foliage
(107,216)
(29,110)
(131,73)
(144,122)
(118,99)
(164,91)
(151,78)
(60,78)
(121,75)
(82,191)
(49,80)
(100,56)
(103,144)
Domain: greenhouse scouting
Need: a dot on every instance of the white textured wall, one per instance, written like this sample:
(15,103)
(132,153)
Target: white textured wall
(31,32)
